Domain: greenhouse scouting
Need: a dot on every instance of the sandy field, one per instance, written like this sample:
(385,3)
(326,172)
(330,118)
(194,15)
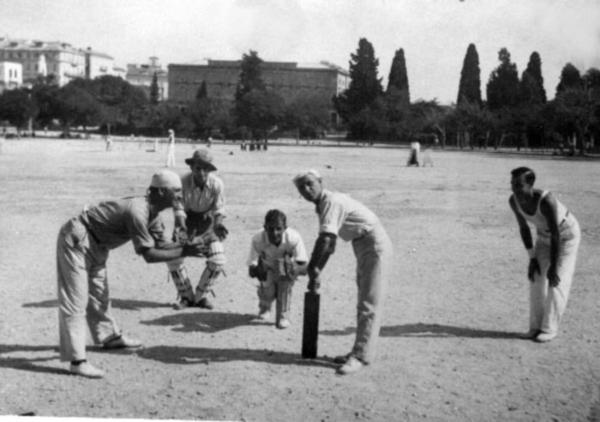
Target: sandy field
(449,347)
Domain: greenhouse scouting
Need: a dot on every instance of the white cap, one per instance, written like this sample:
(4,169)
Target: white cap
(166,179)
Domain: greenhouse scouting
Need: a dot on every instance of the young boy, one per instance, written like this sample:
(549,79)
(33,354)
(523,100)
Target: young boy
(277,257)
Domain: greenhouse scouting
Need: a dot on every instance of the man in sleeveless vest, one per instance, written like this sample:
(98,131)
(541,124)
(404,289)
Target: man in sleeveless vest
(552,257)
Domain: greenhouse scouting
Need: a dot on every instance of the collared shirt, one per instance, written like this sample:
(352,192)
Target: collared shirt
(208,199)
(114,223)
(291,244)
(344,216)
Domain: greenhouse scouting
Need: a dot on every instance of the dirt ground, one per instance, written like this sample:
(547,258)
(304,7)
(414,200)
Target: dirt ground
(449,348)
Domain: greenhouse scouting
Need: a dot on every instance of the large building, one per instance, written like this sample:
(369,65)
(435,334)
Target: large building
(65,62)
(288,79)
(142,75)
(11,75)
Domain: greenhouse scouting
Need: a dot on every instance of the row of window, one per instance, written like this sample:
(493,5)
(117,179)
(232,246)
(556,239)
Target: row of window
(13,74)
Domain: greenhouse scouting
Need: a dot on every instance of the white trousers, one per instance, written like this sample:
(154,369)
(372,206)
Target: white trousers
(547,304)
(82,291)
(170,156)
(373,257)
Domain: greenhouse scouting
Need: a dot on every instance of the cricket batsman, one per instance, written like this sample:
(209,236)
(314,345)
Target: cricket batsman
(340,215)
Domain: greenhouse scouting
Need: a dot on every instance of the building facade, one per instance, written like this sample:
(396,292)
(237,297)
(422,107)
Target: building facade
(289,79)
(142,75)
(11,75)
(65,62)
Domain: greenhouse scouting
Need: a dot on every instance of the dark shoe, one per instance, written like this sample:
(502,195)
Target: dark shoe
(183,304)
(122,342)
(86,369)
(205,303)
(351,366)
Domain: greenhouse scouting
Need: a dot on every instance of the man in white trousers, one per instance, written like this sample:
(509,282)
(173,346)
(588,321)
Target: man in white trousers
(552,258)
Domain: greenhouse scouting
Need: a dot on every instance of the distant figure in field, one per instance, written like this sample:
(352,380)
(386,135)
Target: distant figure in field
(415,150)
(171,149)
(552,258)
(109,143)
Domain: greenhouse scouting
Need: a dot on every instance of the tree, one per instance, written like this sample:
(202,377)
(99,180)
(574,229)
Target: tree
(45,95)
(469,88)
(503,85)
(264,109)
(77,106)
(202,92)
(309,114)
(398,79)
(535,85)
(17,107)
(365,88)
(154,92)
(250,75)
(570,78)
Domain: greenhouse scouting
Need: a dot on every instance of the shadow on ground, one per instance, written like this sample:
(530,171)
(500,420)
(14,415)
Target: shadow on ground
(205,322)
(431,330)
(202,355)
(29,364)
(126,304)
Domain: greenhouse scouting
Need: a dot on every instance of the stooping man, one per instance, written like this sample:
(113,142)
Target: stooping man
(344,217)
(82,251)
(277,257)
(200,217)
(552,258)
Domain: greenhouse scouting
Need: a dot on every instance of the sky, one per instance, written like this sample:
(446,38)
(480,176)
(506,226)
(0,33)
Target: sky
(434,34)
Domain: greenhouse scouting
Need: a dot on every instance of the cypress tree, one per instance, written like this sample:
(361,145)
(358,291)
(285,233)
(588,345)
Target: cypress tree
(503,85)
(534,69)
(365,86)
(154,90)
(398,79)
(201,93)
(469,88)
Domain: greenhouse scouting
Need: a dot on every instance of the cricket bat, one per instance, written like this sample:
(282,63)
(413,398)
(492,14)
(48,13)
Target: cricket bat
(310,329)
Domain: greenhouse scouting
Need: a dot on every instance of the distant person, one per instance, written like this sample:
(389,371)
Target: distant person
(413,157)
(344,217)
(82,250)
(109,143)
(171,149)
(277,257)
(552,258)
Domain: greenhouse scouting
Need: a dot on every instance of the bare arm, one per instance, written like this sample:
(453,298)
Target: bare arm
(525,231)
(549,209)
(170,251)
(523,227)
(323,249)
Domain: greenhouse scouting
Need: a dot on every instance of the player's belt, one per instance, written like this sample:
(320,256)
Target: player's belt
(83,219)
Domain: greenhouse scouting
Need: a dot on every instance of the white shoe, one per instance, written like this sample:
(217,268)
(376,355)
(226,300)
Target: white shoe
(264,315)
(283,323)
(86,369)
(531,334)
(545,337)
(351,366)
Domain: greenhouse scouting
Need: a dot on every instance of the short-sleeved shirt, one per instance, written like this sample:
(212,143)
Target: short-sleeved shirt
(210,198)
(114,223)
(291,244)
(344,216)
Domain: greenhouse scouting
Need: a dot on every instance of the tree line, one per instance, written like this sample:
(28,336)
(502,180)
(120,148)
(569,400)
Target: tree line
(516,111)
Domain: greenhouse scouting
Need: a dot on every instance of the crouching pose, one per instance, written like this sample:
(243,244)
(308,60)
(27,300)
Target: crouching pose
(81,253)
(277,257)
(200,217)
(552,258)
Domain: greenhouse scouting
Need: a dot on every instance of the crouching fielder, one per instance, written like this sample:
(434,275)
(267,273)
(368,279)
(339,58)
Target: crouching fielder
(82,250)
(552,258)
(200,216)
(277,257)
